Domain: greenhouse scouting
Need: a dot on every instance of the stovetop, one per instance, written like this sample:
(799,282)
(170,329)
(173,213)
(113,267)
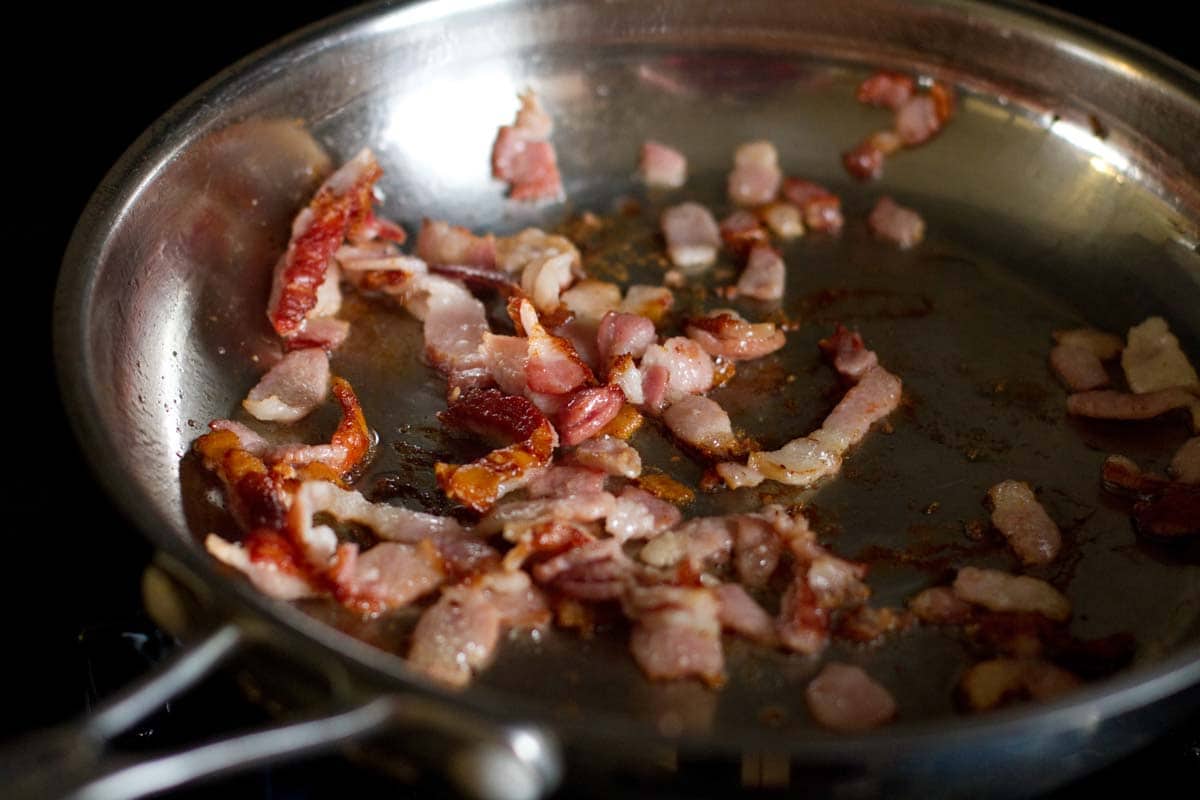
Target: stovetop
(79,623)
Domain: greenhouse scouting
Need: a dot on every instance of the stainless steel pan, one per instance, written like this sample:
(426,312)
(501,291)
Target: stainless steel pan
(1066,190)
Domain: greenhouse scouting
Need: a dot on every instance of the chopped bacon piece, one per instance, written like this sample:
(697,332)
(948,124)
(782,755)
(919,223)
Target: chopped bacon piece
(822,209)
(1107,404)
(1153,360)
(662,166)
(755,177)
(1120,474)
(326,333)
(652,302)
(692,236)
(560,481)
(505,358)
(689,368)
(589,300)
(740,614)
(677,633)
(725,333)
(1018,515)
(764,275)
(624,373)
(843,698)
(638,514)
(848,353)
(478,277)
(598,570)
(515,253)
(869,625)
(583,507)
(1185,465)
(455,323)
(741,231)
(865,160)
(269,561)
(609,455)
(621,333)
(1172,514)
(655,380)
(886,90)
(390,575)
(543,280)
(440,242)
(489,412)
(896,223)
(803,624)
(1078,368)
(1105,346)
(757,546)
(292,388)
(703,425)
(700,542)
(1000,591)
(784,219)
(554,367)
(317,232)
(918,120)
(388,522)
(989,684)
(587,412)
(524,158)
(455,636)
(352,436)
(939,605)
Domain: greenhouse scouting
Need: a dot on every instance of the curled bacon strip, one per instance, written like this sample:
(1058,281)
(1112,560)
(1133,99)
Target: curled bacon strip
(490,412)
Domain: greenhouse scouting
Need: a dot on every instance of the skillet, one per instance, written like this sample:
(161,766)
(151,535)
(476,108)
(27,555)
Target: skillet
(1038,222)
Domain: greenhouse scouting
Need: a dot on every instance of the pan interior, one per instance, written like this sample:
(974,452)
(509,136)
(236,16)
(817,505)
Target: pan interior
(1037,220)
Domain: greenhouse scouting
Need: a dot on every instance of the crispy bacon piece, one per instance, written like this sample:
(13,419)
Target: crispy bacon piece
(741,232)
(692,236)
(587,412)
(725,333)
(1105,346)
(1107,404)
(989,684)
(662,166)
(1000,591)
(1153,360)
(939,605)
(1018,515)
(784,219)
(865,160)
(896,223)
(822,209)
(608,454)
(702,425)
(677,633)
(755,176)
(524,158)
(1185,465)
(343,201)
(269,561)
(491,413)
(1078,368)
(843,698)
(292,388)
(764,275)
(439,242)
(352,438)
(740,614)
(1121,475)
(638,514)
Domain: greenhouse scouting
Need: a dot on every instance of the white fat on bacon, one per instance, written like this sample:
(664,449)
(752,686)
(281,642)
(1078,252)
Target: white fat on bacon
(703,425)
(846,699)
(292,388)
(638,514)
(896,223)
(1001,591)
(1105,346)
(583,507)
(1108,404)
(689,369)
(608,454)
(692,237)
(589,300)
(1152,359)
(756,175)
(662,166)
(265,574)
(702,542)
(677,633)
(724,333)
(764,275)
(1078,367)
(543,280)
(1018,515)
(1185,465)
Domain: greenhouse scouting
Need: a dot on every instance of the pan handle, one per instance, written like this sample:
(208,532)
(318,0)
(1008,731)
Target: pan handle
(485,760)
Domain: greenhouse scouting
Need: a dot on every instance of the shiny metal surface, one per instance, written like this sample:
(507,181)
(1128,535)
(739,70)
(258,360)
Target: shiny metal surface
(1067,189)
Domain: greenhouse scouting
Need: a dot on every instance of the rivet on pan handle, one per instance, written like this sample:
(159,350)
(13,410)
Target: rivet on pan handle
(485,760)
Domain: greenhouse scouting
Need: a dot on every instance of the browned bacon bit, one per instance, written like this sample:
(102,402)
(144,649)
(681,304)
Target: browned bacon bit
(490,412)
(352,436)
(677,633)
(822,209)
(1185,465)
(1105,346)
(703,425)
(292,388)
(764,275)
(1018,515)
(886,90)
(848,353)
(440,242)
(692,237)
(625,424)
(843,698)
(317,232)
(554,367)
(865,161)
(255,494)
(896,223)
(755,177)
(1107,404)
(1000,591)
(270,562)
(662,166)
(989,684)
(784,219)
(1121,475)
(939,605)
(740,614)
(1078,368)
(1172,514)
(666,488)
(524,158)
(869,625)
(608,454)
(587,412)
(726,334)
(741,232)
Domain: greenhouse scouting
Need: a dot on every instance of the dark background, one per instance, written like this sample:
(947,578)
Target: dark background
(95,79)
